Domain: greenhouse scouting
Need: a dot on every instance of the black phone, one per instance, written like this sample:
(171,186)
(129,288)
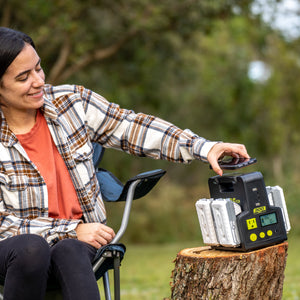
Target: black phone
(234,163)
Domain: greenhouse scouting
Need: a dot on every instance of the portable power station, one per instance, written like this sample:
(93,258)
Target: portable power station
(242,213)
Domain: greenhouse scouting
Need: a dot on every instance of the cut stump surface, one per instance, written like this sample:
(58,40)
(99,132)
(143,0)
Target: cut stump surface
(206,273)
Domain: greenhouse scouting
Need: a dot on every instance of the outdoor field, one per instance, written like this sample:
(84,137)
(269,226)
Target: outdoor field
(146,270)
(172,72)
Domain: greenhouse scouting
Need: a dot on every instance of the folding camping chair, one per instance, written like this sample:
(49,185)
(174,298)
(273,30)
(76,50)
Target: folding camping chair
(109,257)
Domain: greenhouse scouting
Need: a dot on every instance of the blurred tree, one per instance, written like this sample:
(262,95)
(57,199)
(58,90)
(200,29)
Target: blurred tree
(186,61)
(73,34)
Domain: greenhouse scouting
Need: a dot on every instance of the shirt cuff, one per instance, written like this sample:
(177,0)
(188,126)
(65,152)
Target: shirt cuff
(204,150)
(72,225)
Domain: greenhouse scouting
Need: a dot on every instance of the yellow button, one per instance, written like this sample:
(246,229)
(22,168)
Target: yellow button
(253,237)
(262,235)
(269,232)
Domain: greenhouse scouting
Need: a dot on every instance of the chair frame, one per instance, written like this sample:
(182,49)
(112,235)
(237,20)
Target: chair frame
(119,234)
(135,182)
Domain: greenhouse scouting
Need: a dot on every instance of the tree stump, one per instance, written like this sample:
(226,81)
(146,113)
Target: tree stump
(205,273)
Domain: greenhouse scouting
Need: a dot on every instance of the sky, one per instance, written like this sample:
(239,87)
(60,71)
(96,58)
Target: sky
(285,16)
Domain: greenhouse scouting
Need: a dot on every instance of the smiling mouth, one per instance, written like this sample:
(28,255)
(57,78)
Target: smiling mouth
(39,93)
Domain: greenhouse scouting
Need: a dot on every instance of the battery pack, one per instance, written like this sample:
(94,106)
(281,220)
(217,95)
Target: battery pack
(276,198)
(225,222)
(203,208)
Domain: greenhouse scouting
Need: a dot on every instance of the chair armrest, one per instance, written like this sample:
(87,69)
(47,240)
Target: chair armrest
(113,190)
(147,181)
(103,261)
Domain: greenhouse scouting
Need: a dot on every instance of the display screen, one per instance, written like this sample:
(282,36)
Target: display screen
(268,219)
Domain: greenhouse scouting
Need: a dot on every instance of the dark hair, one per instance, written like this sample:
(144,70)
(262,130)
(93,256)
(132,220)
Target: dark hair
(12,43)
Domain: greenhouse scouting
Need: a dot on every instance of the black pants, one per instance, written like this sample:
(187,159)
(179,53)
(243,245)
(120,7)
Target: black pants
(28,263)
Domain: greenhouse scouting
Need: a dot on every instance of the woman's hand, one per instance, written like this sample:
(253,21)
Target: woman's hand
(225,149)
(95,234)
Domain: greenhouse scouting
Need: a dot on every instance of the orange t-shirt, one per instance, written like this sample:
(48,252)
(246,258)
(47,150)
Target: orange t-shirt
(62,198)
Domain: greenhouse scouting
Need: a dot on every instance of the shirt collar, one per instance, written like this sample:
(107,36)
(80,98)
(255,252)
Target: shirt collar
(8,138)
(6,135)
(48,109)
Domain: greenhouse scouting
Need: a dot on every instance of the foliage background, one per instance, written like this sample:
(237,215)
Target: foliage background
(187,62)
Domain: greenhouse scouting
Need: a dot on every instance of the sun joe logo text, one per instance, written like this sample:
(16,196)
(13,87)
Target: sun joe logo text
(238,201)
(259,210)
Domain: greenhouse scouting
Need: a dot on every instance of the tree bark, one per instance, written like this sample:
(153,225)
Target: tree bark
(61,73)
(6,13)
(205,273)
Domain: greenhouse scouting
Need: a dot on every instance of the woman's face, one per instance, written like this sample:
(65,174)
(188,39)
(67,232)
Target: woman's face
(21,87)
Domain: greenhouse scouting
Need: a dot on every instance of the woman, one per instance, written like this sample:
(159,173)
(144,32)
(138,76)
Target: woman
(52,218)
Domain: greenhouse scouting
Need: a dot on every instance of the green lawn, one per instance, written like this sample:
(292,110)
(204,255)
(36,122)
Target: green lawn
(291,288)
(146,270)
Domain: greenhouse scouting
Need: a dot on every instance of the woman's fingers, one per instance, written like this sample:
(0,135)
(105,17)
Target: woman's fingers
(225,149)
(95,234)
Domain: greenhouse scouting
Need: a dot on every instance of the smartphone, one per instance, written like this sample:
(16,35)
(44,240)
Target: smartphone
(234,163)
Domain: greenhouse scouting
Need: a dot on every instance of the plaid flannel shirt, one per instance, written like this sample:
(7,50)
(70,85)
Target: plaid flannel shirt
(76,117)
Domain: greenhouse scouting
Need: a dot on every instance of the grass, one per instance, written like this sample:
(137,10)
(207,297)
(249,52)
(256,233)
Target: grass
(146,270)
(291,288)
